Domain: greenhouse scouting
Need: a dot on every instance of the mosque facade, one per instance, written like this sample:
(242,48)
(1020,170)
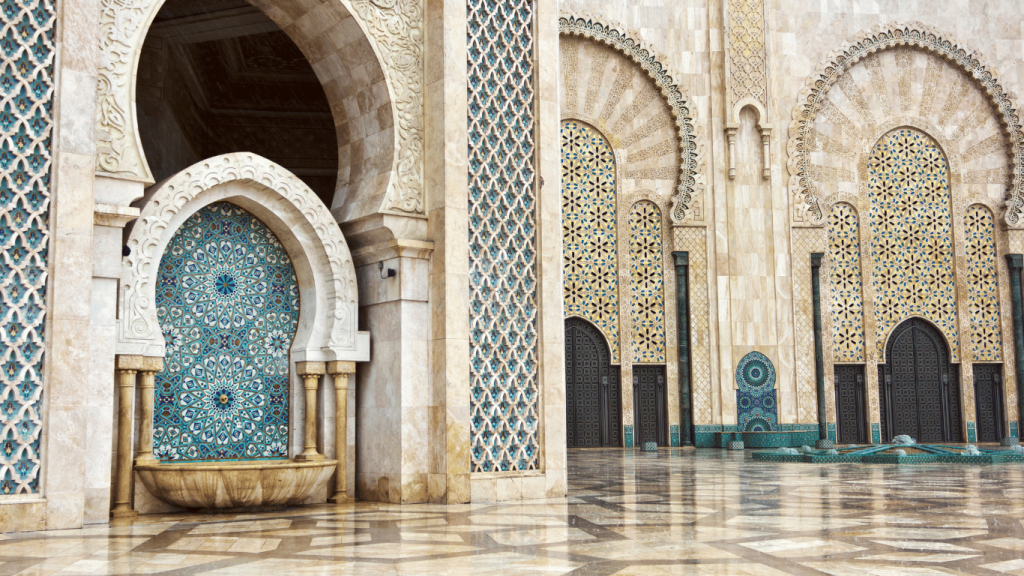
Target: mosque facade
(286,252)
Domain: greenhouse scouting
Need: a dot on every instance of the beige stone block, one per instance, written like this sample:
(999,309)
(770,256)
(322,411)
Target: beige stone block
(483,489)
(459,488)
(534,487)
(414,488)
(437,488)
(507,489)
(64,510)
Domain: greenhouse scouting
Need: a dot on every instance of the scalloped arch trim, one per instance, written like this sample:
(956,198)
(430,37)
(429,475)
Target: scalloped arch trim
(883,37)
(691,180)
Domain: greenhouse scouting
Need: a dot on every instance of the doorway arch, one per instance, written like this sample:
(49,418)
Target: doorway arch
(592,391)
(920,388)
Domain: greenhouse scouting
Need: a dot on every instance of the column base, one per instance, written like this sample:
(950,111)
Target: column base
(341,498)
(314,457)
(123,511)
(146,460)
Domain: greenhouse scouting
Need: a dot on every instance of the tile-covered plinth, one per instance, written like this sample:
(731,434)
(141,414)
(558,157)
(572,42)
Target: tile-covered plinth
(660,513)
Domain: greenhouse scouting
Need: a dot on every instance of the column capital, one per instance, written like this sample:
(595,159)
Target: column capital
(310,368)
(339,367)
(816,258)
(1015,260)
(140,363)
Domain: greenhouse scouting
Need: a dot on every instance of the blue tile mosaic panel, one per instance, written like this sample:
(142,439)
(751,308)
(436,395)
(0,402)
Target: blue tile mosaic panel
(648,286)
(590,249)
(912,245)
(26,104)
(982,286)
(756,406)
(228,303)
(847,308)
(504,423)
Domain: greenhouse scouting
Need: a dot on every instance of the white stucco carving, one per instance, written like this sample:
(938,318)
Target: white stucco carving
(329,303)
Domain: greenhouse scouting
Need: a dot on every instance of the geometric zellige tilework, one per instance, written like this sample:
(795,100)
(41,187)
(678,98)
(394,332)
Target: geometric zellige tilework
(648,286)
(228,303)
(693,240)
(845,279)
(982,286)
(26,100)
(504,423)
(912,244)
(589,253)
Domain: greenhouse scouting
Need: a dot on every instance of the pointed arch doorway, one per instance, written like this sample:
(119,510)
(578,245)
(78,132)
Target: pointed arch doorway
(592,392)
(920,388)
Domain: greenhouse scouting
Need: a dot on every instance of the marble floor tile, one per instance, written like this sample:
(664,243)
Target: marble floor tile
(710,513)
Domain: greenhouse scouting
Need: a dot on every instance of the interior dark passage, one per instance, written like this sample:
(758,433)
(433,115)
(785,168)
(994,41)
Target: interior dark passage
(218,76)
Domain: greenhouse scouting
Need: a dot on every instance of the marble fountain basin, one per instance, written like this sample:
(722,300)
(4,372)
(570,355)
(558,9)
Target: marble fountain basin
(235,484)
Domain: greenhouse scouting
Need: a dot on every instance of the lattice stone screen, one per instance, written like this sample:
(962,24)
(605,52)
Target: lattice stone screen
(502,238)
(590,250)
(26,99)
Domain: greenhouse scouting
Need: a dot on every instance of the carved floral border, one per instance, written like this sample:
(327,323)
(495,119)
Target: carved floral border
(882,37)
(691,180)
(138,326)
(394,28)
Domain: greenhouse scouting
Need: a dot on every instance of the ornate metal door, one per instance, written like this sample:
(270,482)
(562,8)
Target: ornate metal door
(592,413)
(920,389)
(649,404)
(988,401)
(850,412)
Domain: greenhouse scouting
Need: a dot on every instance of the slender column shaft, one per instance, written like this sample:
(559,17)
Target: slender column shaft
(311,373)
(1016,263)
(146,393)
(341,371)
(682,261)
(125,415)
(819,353)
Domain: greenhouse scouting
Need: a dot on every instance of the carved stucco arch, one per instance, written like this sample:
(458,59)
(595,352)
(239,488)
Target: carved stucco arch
(376,44)
(884,37)
(328,307)
(691,179)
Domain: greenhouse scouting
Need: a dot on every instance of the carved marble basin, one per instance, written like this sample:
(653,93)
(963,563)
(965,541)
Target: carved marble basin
(235,484)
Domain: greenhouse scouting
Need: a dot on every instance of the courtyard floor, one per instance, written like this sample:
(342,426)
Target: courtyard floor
(715,512)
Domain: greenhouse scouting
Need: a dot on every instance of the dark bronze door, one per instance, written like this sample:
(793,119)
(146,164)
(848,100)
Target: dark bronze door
(649,404)
(850,412)
(988,401)
(919,387)
(592,413)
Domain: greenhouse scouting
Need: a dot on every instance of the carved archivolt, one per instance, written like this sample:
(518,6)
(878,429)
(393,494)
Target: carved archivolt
(327,280)
(690,179)
(869,84)
(393,29)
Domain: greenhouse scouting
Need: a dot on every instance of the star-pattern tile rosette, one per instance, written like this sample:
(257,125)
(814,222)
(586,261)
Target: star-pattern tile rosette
(983,286)
(228,303)
(756,402)
(912,244)
(504,423)
(26,103)
(648,285)
(590,251)
(845,278)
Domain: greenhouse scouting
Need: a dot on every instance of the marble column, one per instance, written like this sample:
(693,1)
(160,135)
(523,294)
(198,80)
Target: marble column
(146,398)
(341,371)
(126,387)
(311,373)
(1016,264)
(819,354)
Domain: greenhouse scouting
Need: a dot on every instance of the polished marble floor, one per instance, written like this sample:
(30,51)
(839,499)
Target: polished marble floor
(715,512)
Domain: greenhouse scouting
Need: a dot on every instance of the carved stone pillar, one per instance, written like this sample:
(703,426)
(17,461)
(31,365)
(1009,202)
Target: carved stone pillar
(126,370)
(147,397)
(311,373)
(341,371)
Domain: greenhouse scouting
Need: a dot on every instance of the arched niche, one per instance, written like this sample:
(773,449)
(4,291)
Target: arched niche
(367,55)
(903,75)
(328,308)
